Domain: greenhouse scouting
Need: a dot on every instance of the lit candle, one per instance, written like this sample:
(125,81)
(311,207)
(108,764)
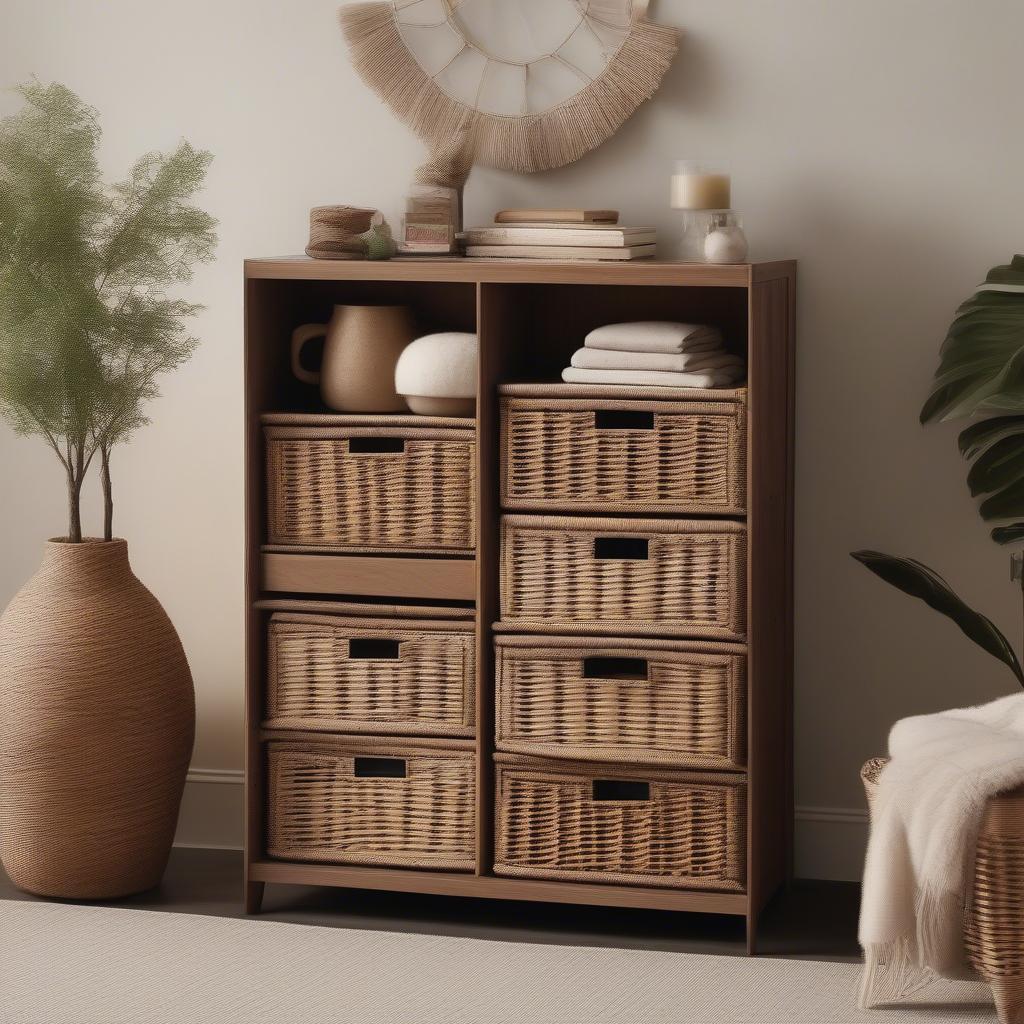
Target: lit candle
(695,188)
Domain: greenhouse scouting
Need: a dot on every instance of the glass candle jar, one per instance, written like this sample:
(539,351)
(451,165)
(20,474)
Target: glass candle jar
(697,186)
(699,190)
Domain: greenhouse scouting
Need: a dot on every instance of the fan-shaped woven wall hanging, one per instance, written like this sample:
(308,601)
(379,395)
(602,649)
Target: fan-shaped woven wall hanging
(533,84)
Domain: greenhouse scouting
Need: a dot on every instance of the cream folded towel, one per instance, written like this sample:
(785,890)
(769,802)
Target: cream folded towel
(654,336)
(656,378)
(924,823)
(686,362)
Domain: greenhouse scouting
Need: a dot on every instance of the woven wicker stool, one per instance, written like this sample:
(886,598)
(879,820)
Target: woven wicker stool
(994,929)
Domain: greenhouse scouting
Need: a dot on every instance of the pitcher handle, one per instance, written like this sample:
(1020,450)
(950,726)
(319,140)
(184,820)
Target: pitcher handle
(307,332)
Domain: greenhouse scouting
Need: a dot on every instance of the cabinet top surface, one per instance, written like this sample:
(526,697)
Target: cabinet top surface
(520,271)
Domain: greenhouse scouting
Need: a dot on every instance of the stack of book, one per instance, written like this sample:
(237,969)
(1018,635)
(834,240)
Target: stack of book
(560,235)
(430,222)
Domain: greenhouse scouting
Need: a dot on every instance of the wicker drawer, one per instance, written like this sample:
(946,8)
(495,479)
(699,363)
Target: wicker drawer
(640,701)
(604,823)
(338,674)
(368,484)
(600,454)
(388,802)
(623,576)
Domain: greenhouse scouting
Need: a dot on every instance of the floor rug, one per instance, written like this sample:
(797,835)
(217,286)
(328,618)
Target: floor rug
(66,964)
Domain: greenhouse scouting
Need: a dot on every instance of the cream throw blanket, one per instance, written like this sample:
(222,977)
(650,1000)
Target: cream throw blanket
(655,336)
(653,378)
(685,362)
(925,821)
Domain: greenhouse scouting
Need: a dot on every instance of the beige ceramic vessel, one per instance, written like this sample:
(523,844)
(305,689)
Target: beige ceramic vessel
(361,347)
(97,717)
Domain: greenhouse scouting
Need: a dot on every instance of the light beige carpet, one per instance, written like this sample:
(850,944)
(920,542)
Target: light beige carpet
(63,964)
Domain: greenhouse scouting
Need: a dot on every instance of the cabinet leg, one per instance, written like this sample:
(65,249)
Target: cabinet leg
(254,896)
(751,934)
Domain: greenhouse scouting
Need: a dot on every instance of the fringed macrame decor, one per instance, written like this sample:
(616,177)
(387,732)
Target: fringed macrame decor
(534,84)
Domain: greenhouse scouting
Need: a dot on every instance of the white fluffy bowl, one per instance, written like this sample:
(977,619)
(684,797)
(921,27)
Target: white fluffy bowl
(436,374)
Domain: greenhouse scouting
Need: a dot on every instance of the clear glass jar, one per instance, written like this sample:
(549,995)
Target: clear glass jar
(724,240)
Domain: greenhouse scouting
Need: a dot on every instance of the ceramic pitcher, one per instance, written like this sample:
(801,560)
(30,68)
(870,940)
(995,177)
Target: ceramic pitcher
(361,346)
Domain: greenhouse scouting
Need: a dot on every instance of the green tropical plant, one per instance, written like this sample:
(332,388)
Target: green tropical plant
(980,376)
(917,580)
(86,322)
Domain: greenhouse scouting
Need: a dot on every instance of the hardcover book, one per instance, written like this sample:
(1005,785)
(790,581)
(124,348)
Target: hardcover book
(563,252)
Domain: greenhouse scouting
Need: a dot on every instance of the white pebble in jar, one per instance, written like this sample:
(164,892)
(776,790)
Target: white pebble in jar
(726,244)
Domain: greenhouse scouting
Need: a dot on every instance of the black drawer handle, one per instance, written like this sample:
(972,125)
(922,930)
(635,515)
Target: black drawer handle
(379,768)
(364,649)
(619,789)
(376,445)
(615,668)
(630,548)
(623,419)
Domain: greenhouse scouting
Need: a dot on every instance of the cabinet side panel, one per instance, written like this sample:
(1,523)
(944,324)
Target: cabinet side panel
(770,589)
(267,327)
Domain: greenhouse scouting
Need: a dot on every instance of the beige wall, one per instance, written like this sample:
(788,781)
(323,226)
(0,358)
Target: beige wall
(878,142)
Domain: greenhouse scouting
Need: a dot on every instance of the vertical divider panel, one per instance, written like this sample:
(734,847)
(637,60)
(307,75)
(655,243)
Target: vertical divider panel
(499,319)
(789,658)
(487,541)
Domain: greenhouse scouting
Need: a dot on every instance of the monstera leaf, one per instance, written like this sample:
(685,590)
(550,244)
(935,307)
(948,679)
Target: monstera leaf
(917,580)
(981,373)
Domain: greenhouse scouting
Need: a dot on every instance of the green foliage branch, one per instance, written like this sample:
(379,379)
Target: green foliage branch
(86,321)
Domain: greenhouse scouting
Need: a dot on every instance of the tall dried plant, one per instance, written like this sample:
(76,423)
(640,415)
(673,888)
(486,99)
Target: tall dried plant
(86,321)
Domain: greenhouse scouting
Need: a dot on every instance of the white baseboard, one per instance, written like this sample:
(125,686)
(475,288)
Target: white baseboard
(830,841)
(212,810)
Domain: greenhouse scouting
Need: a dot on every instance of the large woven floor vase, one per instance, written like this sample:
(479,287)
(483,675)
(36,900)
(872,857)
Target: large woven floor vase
(97,718)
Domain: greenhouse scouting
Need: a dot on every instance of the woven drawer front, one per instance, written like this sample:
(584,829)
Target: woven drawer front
(626,576)
(347,804)
(371,488)
(326,672)
(603,455)
(596,823)
(639,701)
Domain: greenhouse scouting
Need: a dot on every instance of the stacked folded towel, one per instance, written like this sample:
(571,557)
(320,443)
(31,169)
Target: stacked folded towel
(655,352)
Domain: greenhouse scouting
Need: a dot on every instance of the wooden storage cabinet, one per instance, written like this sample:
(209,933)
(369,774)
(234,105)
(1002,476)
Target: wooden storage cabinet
(608,616)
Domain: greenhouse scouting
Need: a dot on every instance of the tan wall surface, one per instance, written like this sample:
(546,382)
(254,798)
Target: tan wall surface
(877,142)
